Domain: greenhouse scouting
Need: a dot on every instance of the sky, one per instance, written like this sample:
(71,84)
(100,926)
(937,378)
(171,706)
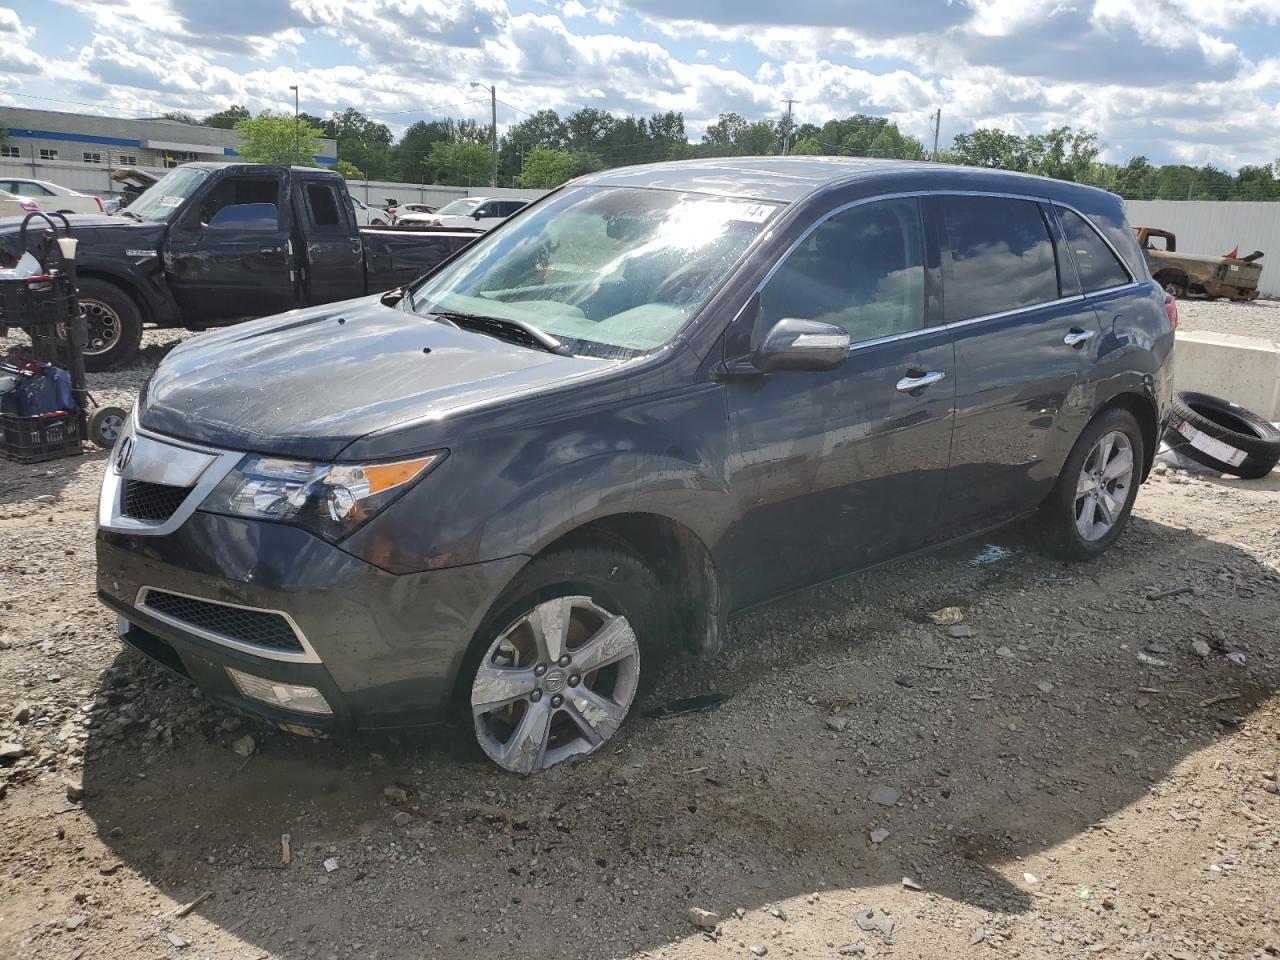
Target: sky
(1188,81)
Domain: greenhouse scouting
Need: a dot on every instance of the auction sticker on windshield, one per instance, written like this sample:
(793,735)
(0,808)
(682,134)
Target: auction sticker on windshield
(747,212)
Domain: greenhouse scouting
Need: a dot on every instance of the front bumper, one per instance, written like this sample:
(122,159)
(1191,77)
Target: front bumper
(383,649)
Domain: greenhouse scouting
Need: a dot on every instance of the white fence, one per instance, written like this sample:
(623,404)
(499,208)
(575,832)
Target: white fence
(96,178)
(1215,227)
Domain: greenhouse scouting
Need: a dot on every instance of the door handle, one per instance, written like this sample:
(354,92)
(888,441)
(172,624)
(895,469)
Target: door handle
(909,383)
(1077,336)
(271,250)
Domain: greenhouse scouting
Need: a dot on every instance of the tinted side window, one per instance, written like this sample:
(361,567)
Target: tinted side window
(324,205)
(998,256)
(1095,263)
(862,269)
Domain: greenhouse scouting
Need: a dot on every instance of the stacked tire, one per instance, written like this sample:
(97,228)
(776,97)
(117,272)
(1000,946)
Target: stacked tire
(1222,436)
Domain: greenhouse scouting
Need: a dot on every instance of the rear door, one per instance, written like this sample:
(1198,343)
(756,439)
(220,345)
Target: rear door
(838,469)
(333,259)
(228,254)
(1024,339)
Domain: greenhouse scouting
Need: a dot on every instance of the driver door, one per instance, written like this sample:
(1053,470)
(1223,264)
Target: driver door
(229,256)
(839,469)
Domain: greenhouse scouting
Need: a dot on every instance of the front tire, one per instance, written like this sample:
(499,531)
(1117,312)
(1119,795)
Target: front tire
(1091,502)
(561,659)
(114,325)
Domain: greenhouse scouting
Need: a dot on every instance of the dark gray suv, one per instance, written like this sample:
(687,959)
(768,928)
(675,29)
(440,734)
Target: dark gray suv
(651,399)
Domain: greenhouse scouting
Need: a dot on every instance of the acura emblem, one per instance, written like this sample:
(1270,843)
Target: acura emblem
(124,454)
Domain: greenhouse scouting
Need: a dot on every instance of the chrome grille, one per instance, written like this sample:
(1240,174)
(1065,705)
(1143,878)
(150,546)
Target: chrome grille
(255,628)
(155,502)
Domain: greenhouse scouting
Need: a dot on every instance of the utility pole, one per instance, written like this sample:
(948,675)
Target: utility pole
(297,137)
(937,127)
(786,137)
(493,128)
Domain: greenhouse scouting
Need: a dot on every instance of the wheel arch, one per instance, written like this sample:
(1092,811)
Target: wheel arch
(678,557)
(1143,409)
(127,285)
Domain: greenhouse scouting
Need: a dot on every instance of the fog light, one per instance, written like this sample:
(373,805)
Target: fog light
(288,696)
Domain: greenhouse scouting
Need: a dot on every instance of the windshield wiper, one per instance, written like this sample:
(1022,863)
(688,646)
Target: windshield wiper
(129,213)
(504,328)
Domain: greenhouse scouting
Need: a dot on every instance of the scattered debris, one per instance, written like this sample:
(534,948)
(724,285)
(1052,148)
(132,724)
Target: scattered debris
(946,616)
(991,553)
(285,855)
(1150,661)
(879,835)
(687,705)
(1044,686)
(331,864)
(1165,594)
(246,746)
(1220,698)
(911,884)
(176,940)
(979,934)
(758,949)
(1200,648)
(837,723)
(396,793)
(74,922)
(852,950)
(870,920)
(402,818)
(1236,657)
(12,751)
(1108,903)
(1030,878)
(704,919)
(75,791)
(186,908)
(777,913)
(1004,652)
(884,795)
(961,631)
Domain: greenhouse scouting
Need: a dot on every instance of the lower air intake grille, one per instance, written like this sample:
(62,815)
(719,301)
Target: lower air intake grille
(156,502)
(258,628)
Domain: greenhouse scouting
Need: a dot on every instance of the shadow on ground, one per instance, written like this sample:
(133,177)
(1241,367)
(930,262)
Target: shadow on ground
(753,804)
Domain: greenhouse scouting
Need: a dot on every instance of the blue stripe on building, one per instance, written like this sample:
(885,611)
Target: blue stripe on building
(75,137)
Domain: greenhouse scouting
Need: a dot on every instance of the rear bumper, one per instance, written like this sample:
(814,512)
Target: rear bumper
(383,649)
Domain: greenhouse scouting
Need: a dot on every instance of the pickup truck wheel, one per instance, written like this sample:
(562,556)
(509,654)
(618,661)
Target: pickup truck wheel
(557,665)
(1092,500)
(114,324)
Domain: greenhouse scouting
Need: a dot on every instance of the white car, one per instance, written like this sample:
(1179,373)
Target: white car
(51,197)
(474,212)
(367,216)
(405,209)
(15,206)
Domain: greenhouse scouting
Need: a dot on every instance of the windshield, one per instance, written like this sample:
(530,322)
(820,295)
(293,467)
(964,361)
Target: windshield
(161,200)
(611,271)
(459,207)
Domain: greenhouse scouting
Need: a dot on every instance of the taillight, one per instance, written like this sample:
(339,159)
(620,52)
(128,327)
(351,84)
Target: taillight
(30,206)
(1171,310)
(101,208)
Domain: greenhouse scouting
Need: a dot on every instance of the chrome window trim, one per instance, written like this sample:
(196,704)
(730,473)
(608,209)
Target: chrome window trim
(954,324)
(111,498)
(307,655)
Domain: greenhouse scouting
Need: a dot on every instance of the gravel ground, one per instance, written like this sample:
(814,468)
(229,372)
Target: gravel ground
(1261,318)
(1072,769)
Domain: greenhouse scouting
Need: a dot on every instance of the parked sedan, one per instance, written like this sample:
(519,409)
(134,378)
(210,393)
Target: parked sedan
(367,216)
(12,205)
(510,493)
(52,197)
(469,212)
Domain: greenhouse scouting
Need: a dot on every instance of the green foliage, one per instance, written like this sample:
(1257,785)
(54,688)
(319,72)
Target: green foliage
(270,138)
(464,164)
(545,168)
(806,146)
(228,118)
(181,116)
(349,170)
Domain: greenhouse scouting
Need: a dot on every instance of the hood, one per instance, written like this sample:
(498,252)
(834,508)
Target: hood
(310,382)
(90,229)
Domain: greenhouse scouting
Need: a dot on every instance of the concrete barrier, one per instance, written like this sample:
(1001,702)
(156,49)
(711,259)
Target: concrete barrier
(1244,370)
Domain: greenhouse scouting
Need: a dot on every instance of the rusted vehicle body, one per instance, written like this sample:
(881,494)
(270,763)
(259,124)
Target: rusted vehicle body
(1187,274)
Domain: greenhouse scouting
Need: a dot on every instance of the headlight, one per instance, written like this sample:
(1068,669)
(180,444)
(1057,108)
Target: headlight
(333,499)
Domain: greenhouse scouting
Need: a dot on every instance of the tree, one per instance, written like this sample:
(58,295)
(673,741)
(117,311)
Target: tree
(806,146)
(415,146)
(463,164)
(181,116)
(362,141)
(545,168)
(228,118)
(349,170)
(270,138)
(988,147)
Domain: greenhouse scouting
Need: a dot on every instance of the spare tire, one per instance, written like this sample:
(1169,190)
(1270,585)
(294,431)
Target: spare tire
(1222,435)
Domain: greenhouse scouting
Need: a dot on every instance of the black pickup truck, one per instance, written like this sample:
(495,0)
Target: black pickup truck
(214,243)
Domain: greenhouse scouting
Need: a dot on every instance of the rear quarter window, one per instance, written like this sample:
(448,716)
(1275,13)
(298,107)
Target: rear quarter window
(997,256)
(1096,265)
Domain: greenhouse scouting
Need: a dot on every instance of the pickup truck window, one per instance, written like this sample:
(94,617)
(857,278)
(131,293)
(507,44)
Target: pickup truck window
(163,198)
(323,204)
(613,271)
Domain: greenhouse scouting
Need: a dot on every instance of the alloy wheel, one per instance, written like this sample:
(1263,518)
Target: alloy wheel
(103,325)
(1102,488)
(558,682)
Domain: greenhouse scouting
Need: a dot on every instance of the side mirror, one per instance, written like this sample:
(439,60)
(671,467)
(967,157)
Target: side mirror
(478,214)
(793,344)
(245,216)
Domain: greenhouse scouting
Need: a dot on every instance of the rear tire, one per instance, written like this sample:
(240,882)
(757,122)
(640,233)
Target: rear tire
(114,322)
(562,658)
(1091,502)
